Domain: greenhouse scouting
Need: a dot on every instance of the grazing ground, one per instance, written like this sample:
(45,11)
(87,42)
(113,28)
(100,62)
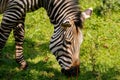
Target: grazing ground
(99,53)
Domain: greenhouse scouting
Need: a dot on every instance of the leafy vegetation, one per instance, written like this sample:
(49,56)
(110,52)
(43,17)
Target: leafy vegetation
(107,6)
(99,54)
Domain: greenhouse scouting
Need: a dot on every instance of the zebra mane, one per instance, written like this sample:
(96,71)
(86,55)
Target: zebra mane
(77,20)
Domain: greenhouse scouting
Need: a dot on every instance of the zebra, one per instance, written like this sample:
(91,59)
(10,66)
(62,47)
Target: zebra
(67,19)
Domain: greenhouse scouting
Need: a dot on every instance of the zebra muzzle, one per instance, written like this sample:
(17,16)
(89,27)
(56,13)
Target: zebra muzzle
(73,71)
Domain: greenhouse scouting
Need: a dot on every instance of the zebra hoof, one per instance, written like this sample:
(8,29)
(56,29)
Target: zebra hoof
(23,66)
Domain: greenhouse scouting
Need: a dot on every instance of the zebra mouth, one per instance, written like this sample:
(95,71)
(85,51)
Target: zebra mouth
(73,71)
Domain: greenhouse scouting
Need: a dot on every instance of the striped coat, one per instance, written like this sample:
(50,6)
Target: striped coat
(67,19)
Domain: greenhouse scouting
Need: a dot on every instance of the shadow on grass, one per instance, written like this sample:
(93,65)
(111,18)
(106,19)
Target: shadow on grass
(37,70)
(111,74)
(43,69)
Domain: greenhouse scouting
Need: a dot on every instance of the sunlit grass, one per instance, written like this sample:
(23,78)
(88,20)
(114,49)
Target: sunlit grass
(99,55)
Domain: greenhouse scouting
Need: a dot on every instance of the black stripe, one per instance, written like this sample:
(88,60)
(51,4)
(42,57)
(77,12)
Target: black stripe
(68,62)
(63,64)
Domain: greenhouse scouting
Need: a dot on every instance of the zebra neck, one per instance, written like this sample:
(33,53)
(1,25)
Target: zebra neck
(59,10)
(3,7)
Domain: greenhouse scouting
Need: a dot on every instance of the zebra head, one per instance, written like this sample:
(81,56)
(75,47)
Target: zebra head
(65,43)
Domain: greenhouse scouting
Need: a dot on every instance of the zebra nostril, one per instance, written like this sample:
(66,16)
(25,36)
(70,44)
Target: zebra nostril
(73,71)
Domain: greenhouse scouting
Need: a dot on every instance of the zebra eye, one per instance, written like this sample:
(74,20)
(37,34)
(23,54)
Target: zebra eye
(66,24)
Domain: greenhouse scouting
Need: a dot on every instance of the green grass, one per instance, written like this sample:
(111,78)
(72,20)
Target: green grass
(99,54)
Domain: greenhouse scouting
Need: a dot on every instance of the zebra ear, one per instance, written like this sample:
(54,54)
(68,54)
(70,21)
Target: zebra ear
(66,23)
(86,14)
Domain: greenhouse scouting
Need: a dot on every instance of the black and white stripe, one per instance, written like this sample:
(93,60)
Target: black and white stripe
(65,41)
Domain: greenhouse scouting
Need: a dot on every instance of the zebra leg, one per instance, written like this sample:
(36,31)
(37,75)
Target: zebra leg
(4,34)
(19,38)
